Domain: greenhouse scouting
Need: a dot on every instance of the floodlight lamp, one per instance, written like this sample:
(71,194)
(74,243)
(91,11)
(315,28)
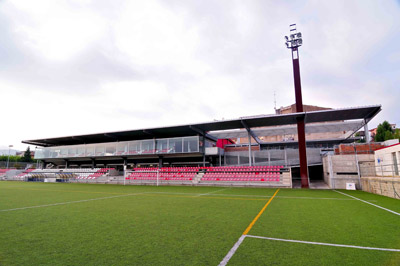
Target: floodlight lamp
(300,41)
(292,36)
(286,38)
(299,35)
(287,45)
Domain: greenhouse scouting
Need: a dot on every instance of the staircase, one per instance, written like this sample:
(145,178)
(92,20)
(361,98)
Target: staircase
(198,177)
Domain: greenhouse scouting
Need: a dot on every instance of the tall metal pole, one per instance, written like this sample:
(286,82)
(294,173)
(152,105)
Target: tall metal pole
(8,158)
(293,43)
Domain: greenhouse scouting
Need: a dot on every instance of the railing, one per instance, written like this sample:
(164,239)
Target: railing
(140,147)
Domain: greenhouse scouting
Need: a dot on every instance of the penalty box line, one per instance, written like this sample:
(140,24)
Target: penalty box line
(322,244)
(68,202)
(377,206)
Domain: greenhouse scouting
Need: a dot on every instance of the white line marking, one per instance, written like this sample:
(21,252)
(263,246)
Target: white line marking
(323,244)
(212,192)
(368,202)
(232,251)
(68,202)
(251,196)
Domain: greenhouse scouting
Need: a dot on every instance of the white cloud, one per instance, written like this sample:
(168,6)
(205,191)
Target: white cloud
(90,66)
(57,30)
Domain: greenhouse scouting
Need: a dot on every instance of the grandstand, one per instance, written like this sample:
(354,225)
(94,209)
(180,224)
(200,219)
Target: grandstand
(212,144)
(65,175)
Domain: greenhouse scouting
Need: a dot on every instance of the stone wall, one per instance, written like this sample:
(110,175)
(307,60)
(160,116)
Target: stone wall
(386,186)
(342,169)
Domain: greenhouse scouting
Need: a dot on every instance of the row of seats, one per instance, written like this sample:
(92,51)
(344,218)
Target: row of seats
(244,169)
(25,172)
(69,170)
(243,173)
(167,169)
(243,179)
(252,175)
(161,175)
(78,173)
(160,178)
(4,170)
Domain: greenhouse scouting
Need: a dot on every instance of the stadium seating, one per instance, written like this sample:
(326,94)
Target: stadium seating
(164,173)
(66,173)
(243,174)
(24,173)
(3,172)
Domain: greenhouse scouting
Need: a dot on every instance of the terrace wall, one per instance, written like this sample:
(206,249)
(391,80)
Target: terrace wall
(386,186)
(342,169)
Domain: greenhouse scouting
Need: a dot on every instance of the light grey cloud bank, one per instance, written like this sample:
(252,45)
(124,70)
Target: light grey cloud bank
(76,67)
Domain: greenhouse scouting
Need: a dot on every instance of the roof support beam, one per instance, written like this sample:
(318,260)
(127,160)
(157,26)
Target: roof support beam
(204,134)
(108,135)
(251,133)
(148,132)
(36,143)
(79,139)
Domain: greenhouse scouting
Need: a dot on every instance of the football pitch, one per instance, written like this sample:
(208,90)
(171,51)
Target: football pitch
(87,224)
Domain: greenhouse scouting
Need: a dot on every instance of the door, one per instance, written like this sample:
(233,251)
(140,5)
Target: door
(396,167)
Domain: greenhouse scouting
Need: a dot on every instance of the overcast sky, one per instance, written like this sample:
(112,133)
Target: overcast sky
(80,67)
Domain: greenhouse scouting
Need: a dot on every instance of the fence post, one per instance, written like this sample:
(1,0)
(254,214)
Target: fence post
(358,167)
(392,170)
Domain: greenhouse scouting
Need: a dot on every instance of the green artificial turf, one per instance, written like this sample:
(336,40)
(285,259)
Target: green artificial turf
(148,225)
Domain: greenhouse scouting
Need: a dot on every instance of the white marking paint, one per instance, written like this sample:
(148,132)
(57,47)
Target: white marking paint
(251,196)
(388,210)
(68,202)
(232,251)
(212,192)
(323,244)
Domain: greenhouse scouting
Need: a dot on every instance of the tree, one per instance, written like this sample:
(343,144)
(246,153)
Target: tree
(384,132)
(27,156)
(396,134)
(362,138)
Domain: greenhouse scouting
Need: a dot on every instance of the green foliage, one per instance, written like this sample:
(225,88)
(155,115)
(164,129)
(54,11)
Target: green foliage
(384,132)
(27,156)
(13,158)
(396,134)
(148,225)
(361,140)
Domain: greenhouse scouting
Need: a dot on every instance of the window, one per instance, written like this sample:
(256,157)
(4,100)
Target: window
(162,145)
(175,145)
(191,144)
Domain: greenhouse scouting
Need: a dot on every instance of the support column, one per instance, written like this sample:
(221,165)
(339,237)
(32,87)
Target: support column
(204,151)
(93,163)
(366,132)
(300,120)
(160,162)
(66,163)
(248,135)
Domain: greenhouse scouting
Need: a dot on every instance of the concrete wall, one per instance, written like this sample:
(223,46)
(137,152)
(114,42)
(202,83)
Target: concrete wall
(385,163)
(342,169)
(385,186)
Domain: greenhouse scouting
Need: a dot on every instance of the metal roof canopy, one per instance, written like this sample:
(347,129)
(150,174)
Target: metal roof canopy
(366,113)
(294,144)
(289,130)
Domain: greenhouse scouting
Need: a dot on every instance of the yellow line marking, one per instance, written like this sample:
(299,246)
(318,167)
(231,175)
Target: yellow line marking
(259,214)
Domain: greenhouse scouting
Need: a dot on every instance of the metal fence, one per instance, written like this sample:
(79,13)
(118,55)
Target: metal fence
(17,165)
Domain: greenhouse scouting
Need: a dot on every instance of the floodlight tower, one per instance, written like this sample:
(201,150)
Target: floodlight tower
(293,42)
